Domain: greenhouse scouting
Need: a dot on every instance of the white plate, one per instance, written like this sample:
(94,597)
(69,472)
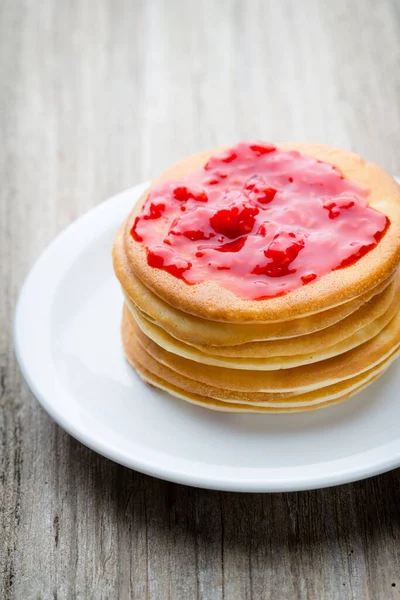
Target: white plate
(68,346)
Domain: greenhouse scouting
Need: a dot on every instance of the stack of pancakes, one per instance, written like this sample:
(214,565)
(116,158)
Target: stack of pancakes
(312,347)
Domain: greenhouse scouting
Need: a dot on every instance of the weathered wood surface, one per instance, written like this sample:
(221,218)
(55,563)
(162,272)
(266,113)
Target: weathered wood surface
(96,96)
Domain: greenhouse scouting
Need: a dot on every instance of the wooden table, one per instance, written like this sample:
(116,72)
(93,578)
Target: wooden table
(95,97)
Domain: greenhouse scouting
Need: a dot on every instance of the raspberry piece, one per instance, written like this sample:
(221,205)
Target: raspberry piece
(235,221)
(185,193)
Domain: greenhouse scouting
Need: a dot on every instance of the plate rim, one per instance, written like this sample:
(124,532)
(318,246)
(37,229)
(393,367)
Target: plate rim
(83,434)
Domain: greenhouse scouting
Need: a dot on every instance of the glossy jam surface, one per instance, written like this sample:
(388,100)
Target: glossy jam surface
(259,221)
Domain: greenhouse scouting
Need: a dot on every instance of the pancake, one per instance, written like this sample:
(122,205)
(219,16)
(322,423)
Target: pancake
(194,330)
(135,353)
(272,362)
(209,300)
(295,403)
(219,406)
(304,378)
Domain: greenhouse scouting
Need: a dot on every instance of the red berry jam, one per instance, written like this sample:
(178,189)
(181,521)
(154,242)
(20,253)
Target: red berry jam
(258,220)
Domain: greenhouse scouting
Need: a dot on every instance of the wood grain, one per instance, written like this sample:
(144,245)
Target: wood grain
(96,96)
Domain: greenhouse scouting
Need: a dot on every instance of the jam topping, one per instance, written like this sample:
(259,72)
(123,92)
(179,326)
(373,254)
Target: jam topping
(258,220)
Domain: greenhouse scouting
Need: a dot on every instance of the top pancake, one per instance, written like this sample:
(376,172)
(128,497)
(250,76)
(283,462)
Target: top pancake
(209,300)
